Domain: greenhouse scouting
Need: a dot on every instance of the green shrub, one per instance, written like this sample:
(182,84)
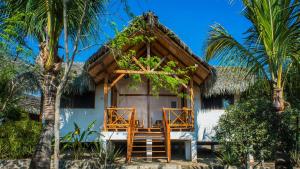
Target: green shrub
(13,113)
(19,138)
(250,127)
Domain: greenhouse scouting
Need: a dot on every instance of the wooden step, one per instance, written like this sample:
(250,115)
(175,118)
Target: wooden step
(149,146)
(139,157)
(149,129)
(148,132)
(145,151)
(148,136)
(144,141)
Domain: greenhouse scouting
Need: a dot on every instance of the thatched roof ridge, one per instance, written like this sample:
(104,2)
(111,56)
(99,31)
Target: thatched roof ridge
(146,17)
(227,80)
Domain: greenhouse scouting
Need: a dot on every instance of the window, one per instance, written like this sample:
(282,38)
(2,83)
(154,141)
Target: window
(173,104)
(85,100)
(217,102)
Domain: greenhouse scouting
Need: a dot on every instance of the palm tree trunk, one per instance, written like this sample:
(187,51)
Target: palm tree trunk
(278,101)
(42,156)
(281,156)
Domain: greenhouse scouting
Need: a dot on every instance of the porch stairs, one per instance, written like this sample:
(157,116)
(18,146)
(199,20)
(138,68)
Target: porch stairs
(149,144)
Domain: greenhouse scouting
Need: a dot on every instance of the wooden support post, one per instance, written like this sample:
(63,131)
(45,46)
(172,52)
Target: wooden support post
(105,100)
(148,105)
(148,55)
(192,94)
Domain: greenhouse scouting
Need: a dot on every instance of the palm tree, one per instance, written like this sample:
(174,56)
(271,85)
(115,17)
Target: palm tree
(271,47)
(45,22)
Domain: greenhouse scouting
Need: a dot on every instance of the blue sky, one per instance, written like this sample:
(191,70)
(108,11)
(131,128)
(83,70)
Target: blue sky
(189,19)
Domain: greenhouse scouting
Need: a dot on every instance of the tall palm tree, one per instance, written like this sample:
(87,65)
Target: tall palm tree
(271,44)
(271,47)
(44,22)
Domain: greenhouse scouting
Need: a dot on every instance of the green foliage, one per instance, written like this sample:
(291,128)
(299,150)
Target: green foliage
(75,139)
(105,153)
(19,138)
(12,35)
(13,85)
(292,88)
(138,33)
(250,127)
(295,158)
(228,158)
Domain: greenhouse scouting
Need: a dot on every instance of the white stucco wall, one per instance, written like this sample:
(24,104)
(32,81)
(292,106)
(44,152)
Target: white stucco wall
(205,120)
(84,116)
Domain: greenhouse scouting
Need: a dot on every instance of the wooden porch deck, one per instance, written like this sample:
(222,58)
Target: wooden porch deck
(153,140)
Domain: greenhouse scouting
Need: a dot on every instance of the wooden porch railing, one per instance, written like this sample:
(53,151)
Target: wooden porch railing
(179,118)
(130,135)
(167,136)
(117,117)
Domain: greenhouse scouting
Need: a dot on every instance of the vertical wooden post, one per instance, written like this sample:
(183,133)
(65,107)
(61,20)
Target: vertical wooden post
(148,105)
(192,101)
(192,94)
(105,100)
(148,55)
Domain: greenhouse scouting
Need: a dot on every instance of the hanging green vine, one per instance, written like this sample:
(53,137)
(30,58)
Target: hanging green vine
(139,32)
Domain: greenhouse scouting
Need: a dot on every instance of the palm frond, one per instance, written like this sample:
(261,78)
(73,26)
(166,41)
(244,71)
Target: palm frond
(223,47)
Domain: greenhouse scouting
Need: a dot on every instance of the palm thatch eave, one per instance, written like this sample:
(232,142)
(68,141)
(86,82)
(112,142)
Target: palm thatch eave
(227,81)
(80,81)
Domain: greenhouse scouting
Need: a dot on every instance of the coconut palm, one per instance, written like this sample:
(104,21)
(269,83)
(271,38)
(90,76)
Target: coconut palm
(271,47)
(45,22)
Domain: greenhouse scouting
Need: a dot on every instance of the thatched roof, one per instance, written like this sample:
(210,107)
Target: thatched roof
(227,80)
(31,104)
(165,44)
(80,81)
(146,17)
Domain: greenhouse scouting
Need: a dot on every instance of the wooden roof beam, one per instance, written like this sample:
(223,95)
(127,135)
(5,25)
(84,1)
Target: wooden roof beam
(158,64)
(176,50)
(142,72)
(116,80)
(197,79)
(112,65)
(138,63)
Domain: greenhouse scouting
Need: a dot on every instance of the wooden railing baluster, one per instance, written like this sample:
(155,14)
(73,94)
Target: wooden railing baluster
(116,118)
(167,135)
(180,118)
(105,120)
(130,135)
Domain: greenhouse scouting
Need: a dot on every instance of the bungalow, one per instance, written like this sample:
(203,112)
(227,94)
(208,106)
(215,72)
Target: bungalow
(150,124)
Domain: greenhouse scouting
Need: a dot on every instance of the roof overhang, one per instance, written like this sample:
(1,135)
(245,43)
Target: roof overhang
(166,45)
